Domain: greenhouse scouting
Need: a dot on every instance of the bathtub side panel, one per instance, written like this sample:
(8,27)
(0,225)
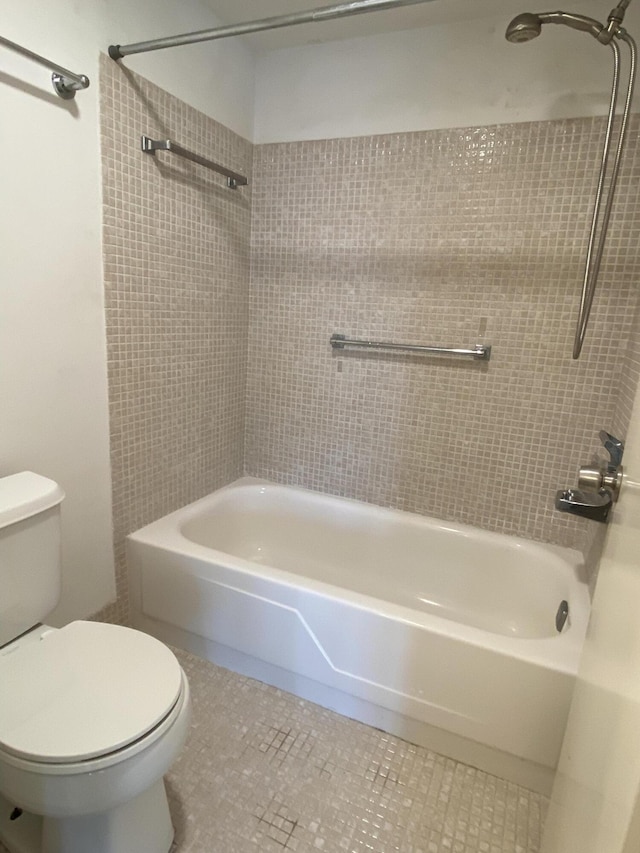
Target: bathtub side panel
(512,705)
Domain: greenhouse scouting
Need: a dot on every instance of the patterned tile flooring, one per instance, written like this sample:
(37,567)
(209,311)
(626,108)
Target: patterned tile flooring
(265,771)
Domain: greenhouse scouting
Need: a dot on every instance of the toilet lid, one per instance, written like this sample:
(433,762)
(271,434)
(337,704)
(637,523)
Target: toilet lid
(83,691)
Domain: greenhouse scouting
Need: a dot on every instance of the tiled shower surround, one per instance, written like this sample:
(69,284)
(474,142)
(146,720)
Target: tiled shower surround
(442,238)
(176,260)
(220,305)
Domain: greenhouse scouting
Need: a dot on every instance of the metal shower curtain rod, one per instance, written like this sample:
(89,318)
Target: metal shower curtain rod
(324,13)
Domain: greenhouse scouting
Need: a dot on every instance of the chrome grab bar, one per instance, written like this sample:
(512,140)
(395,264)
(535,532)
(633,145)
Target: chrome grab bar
(150,146)
(65,82)
(480,352)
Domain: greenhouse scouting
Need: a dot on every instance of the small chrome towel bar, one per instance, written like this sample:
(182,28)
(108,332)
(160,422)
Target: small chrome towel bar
(150,146)
(65,82)
(480,352)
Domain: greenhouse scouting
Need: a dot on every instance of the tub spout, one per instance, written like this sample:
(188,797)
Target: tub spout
(593,505)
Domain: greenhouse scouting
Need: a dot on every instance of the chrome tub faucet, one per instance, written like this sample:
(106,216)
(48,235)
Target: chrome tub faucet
(598,484)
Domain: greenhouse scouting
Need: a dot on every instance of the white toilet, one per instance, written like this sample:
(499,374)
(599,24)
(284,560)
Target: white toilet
(91,715)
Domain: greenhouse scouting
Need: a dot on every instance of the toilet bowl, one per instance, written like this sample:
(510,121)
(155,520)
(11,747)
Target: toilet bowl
(91,717)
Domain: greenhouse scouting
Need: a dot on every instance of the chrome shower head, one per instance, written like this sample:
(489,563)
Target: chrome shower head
(524,28)
(529,25)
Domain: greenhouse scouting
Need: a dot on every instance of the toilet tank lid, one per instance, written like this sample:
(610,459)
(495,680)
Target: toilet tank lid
(26,494)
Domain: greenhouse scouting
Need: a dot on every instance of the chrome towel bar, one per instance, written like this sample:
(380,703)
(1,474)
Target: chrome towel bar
(150,146)
(65,82)
(479,352)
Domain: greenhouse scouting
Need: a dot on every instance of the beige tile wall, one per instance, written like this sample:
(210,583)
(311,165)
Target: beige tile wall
(431,238)
(629,372)
(176,259)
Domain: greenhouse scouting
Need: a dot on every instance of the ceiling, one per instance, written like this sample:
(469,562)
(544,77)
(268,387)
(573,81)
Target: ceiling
(372,23)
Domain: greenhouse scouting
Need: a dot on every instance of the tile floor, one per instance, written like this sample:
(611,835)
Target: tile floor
(265,771)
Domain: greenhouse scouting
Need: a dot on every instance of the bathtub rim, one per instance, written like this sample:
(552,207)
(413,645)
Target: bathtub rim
(559,652)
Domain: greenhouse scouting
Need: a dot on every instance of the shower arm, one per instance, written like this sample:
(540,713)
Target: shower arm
(592,265)
(592,269)
(576,22)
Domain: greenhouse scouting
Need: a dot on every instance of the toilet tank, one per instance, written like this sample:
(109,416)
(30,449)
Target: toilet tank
(30,567)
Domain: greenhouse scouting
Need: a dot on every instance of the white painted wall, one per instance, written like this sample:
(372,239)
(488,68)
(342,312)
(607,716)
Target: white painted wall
(595,804)
(53,379)
(450,75)
(215,77)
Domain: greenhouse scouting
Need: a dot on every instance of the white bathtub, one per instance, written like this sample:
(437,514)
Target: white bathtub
(438,632)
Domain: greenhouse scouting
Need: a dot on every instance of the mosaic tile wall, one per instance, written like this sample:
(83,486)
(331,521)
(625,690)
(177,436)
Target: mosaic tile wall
(176,249)
(446,238)
(629,377)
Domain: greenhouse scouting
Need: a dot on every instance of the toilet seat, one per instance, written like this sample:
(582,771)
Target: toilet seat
(83,692)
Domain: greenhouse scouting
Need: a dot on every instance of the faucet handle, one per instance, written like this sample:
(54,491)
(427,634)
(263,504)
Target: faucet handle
(614,447)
